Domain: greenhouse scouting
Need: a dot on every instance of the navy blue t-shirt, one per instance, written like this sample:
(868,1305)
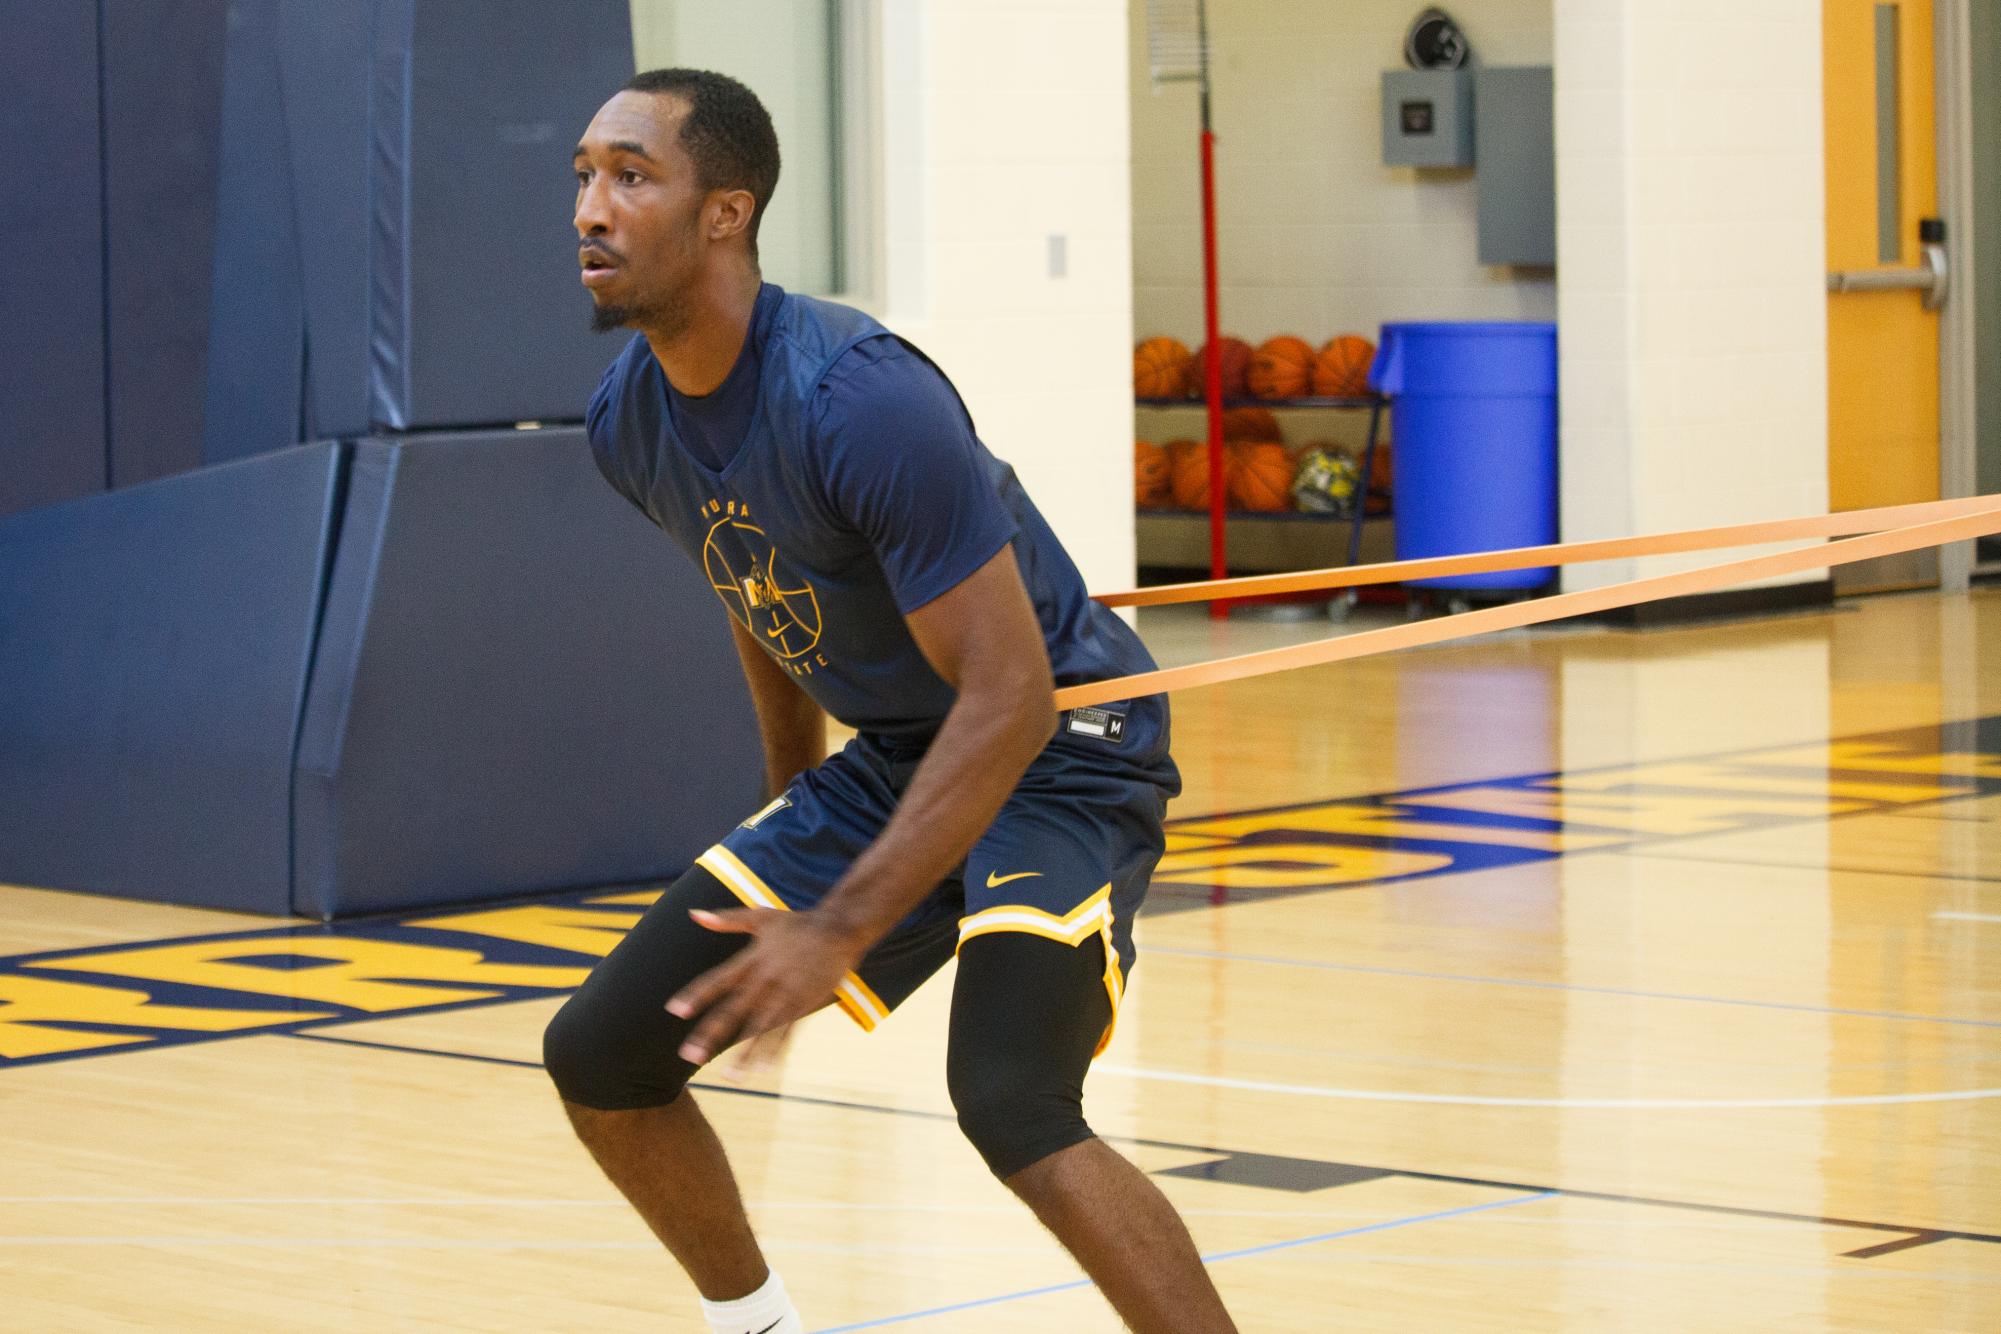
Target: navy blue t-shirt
(712,425)
(852,492)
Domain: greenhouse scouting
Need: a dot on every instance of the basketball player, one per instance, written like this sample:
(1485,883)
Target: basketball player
(879,565)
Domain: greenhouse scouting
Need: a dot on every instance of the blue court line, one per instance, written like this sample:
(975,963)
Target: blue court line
(1217,1258)
(1327,966)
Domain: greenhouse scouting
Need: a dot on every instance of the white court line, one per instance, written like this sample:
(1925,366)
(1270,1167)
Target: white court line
(758,1207)
(1475,1100)
(889,1247)
(1966,917)
(1659,1267)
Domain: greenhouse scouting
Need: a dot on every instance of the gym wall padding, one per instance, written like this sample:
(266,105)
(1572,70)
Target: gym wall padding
(154,649)
(324,52)
(51,262)
(162,70)
(478,316)
(521,685)
(254,398)
(231,226)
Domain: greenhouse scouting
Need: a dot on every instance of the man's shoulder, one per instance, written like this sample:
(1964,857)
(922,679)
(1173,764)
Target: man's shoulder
(623,372)
(616,388)
(626,366)
(816,319)
(830,340)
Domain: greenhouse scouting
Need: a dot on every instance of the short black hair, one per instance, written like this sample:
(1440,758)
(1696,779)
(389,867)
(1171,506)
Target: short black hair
(727,132)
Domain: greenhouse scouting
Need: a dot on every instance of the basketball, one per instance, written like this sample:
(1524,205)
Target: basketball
(1160,368)
(1342,368)
(1261,476)
(1236,357)
(1151,489)
(1282,367)
(1326,481)
(1251,424)
(1190,465)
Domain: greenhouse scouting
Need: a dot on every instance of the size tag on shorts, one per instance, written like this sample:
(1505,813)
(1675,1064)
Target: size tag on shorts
(1096,722)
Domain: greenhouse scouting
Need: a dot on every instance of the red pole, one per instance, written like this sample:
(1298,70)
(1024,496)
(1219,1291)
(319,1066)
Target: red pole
(1212,368)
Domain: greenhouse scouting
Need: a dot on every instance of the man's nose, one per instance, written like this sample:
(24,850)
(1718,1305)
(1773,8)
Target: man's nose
(591,219)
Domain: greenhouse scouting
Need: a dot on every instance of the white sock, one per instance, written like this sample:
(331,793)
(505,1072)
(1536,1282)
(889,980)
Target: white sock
(766,1311)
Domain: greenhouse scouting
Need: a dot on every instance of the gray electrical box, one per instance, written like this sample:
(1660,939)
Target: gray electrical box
(1427,118)
(1515,119)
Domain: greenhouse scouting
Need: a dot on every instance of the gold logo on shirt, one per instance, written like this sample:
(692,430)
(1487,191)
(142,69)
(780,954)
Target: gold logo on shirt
(747,576)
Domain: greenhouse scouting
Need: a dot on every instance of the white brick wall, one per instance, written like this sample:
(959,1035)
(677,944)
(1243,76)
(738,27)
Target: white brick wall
(1691,245)
(1006,122)
(1690,233)
(1316,236)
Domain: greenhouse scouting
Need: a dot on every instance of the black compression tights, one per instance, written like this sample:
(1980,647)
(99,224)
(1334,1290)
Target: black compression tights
(1027,1013)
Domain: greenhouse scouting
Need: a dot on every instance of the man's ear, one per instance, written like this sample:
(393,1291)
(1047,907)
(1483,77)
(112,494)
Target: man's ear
(730,212)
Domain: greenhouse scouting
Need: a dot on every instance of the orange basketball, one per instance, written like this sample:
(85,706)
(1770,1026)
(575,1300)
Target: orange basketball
(1151,475)
(1191,474)
(1250,424)
(1160,368)
(1342,368)
(1282,367)
(1262,476)
(1236,356)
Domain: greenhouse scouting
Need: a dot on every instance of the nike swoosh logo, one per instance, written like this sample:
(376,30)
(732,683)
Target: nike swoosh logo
(772,634)
(995,881)
(773,1325)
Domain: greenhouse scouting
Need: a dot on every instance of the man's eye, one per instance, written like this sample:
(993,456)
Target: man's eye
(630,177)
(583,178)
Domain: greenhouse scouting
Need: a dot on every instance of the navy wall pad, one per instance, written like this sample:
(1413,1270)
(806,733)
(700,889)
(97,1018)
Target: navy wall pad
(521,685)
(154,648)
(51,262)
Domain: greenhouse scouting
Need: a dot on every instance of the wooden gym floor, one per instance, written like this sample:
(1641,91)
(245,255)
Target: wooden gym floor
(1582,981)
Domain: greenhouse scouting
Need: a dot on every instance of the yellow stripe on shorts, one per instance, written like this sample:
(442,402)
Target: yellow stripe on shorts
(1091,917)
(853,995)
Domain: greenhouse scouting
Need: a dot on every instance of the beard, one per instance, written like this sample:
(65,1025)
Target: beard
(607,317)
(664,311)
(659,318)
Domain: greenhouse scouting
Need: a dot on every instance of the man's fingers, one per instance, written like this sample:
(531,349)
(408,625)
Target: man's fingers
(720,1026)
(701,993)
(761,1053)
(733,921)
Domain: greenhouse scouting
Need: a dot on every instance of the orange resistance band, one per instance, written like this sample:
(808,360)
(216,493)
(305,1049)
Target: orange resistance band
(1930,524)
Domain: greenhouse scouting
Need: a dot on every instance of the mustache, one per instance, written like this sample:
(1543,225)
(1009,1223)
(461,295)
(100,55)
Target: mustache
(601,250)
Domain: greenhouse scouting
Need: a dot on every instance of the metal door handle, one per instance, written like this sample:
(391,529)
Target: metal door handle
(1930,277)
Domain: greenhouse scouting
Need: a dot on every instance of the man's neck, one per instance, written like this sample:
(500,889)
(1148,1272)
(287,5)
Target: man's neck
(698,357)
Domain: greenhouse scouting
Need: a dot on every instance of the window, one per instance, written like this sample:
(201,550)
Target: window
(811,63)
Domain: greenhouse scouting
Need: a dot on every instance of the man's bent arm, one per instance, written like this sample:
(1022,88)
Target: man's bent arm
(792,726)
(984,639)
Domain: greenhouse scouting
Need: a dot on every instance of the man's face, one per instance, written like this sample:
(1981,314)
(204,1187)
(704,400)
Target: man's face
(639,214)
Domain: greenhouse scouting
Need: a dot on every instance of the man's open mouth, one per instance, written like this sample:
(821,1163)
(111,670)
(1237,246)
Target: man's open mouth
(597,267)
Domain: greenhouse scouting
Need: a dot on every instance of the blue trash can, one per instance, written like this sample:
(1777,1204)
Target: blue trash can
(1473,413)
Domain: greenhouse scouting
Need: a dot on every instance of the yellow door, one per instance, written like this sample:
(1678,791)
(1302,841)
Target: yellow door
(1882,346)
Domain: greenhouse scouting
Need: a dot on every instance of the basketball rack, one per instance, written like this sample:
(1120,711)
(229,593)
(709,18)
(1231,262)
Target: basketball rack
(1372,403)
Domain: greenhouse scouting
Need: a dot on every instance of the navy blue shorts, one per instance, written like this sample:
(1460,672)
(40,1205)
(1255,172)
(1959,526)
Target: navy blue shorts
(1068,857)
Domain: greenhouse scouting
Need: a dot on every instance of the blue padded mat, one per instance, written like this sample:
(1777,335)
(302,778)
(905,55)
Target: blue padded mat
(154,649)
(256,365)
(521,685)
(51,271)
(478,316)
(323,70)
(162,116)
